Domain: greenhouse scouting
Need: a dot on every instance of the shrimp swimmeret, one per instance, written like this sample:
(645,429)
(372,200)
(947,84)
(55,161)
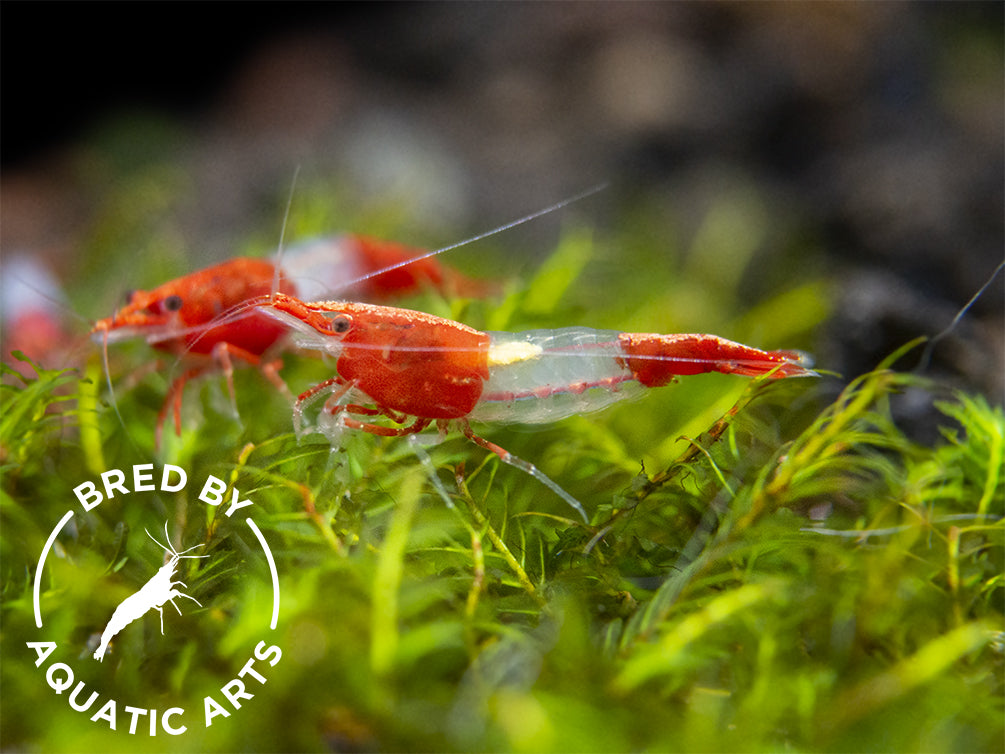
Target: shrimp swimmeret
(410,366)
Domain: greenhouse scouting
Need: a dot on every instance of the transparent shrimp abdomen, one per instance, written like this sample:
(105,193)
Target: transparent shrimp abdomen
(541,376)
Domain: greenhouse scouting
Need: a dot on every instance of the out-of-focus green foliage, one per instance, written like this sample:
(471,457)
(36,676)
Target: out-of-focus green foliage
(797,576)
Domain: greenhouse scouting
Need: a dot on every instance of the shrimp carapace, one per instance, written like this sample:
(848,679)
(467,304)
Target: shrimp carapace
(181,316)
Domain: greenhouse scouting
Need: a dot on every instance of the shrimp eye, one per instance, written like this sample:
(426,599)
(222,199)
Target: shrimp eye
(341,324)
(129,296)
(172,303)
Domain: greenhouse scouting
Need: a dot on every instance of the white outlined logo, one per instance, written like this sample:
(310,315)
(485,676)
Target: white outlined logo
(152,595)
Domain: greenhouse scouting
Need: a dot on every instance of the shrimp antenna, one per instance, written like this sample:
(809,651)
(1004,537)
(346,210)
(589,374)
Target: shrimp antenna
(504,455)
(499,229)
(238,309)
(926,355)
(170,547)
(167,538)
(111,390)
(39,289)
(282,231)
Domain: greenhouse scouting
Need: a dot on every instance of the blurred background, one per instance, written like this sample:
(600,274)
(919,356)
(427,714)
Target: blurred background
(857,142)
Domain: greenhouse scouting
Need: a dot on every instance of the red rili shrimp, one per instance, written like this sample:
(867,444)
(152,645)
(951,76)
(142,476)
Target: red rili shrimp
(409,366)
(182,316)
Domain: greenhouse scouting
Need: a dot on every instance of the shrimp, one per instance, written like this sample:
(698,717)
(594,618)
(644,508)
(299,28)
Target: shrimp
(180,316)
(410,366)
(151,596)
(372,270)
(33,314)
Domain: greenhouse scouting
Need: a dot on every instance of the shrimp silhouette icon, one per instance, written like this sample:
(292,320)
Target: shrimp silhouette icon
(151,596)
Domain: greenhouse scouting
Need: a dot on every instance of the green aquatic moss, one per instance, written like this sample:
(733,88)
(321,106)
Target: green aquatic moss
(795,573)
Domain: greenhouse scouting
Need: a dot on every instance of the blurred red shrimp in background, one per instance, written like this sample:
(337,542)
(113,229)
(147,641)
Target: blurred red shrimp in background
(183,316)
(369,269)
(33,311)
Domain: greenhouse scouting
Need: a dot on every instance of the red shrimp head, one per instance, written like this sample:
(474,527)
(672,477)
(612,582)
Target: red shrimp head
(179,315)
(404,360)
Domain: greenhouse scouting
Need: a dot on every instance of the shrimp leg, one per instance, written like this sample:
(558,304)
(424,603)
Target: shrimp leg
(343,411)
(526,466)
(223,355)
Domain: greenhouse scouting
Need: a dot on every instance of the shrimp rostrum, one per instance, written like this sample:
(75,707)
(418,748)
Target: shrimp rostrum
(418,370)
